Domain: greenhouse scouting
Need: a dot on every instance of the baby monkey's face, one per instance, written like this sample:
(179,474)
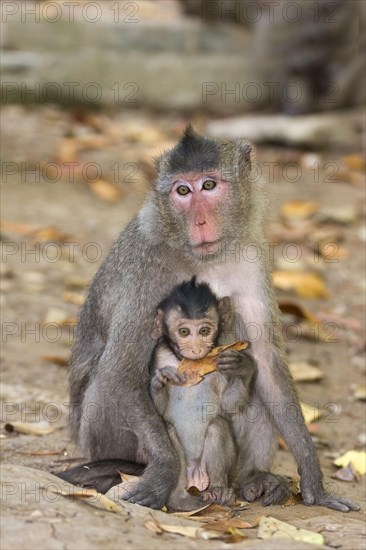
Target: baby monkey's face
(193,338)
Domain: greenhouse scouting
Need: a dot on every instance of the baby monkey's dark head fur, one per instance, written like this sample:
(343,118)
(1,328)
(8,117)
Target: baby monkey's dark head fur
(194,300)
(190,319)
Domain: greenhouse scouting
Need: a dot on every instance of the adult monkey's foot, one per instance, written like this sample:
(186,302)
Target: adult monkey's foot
(147,494)
(152,489)
(318,496)
(273,488)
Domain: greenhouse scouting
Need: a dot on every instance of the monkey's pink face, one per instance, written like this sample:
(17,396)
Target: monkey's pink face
(199,198)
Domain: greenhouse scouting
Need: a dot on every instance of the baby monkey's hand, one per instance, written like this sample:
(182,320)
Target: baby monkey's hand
(167,375)
(236,363)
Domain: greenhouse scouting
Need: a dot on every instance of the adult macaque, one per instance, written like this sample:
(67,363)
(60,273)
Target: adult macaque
(202,213)
(188,324)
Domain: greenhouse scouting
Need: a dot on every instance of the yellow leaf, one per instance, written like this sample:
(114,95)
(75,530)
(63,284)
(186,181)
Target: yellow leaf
(310,413)
(305,284)
(73,297)
(55,315)
(208,513)
(128,477)
(298,210)
(359,392)
(303,372)
(270,527)
(106,190)
(184,530)
(357,459)
(31,428)
(56,359)
(355,162)
(86,493)
(36,232)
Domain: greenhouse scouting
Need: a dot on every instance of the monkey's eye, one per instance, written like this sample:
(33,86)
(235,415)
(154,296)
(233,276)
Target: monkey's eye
(208,185)
(183,190)
(184,331)
(204,331)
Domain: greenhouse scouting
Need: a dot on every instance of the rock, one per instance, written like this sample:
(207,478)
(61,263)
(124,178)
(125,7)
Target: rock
(314,131)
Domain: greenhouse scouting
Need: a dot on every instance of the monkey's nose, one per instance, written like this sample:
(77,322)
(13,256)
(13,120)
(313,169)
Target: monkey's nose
(201,222)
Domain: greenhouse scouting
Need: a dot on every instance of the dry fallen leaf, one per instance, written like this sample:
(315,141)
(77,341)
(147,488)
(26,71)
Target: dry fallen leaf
(347,473)
(331,251)
(73,297)
(270,527)
(295,493)
(190,513)
(304,372)
(68,150)
(42,453)
(70,321)
(85,493)
(128,477)
(311,326)
(296,233)
(106,190)
(184,530)
(359,392)
(225,526)
(31,428)
(76,282)
(55,315)
(56,359)
(195,370)
(208,513)
(355,162)
(35,232)
(305,284)
(310,413)
(228,535)
(356,458)
(344,214)
(298,210)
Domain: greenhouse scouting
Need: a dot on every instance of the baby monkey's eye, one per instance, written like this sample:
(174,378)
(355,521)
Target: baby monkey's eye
(184,331)
(183,190)
(209,185)
(204,331)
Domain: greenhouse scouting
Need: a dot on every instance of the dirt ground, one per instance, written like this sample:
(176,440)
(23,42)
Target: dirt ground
(43,278)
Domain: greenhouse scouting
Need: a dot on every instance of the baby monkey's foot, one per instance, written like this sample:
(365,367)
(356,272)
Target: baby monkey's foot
(273,488)
(222,495)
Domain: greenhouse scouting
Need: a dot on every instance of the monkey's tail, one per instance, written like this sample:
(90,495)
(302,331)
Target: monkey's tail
(101,474)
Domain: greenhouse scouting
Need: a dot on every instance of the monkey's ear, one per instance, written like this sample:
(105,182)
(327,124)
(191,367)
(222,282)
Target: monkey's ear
(157,330)
(245,150)
(246,154)
(226,313)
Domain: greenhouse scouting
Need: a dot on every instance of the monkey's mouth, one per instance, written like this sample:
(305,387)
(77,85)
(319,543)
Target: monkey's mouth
(194,357)
(208,247)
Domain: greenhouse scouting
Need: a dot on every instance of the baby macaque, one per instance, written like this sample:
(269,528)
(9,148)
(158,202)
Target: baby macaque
(189,324)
